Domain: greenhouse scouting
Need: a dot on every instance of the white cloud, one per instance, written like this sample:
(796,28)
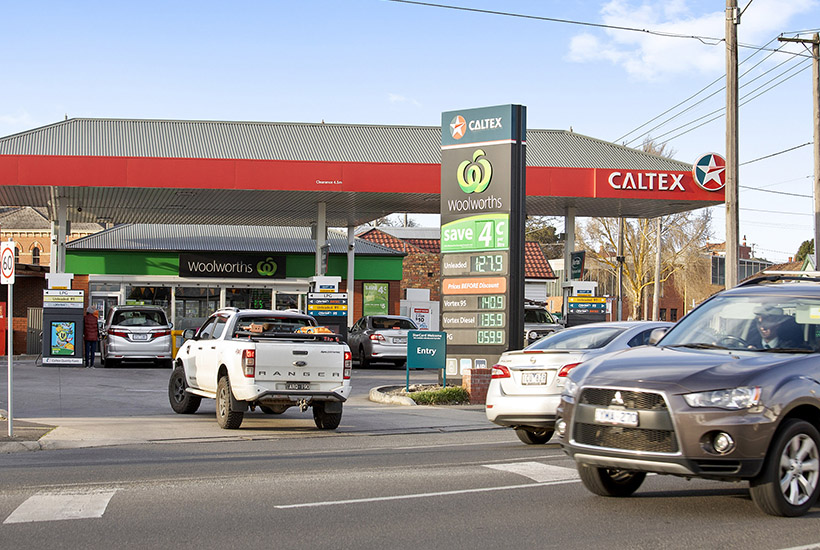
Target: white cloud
(396,98)
(650,56)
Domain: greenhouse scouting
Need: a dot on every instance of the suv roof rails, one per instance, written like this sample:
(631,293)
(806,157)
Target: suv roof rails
(777,276)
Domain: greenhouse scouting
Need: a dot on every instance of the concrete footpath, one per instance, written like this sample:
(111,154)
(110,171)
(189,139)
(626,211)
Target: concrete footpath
(73,407)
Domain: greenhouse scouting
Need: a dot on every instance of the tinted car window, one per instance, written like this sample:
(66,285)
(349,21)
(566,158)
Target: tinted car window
(537,316)
(640,339)
(247,326)
(580,338)
(380,323)
(139,318)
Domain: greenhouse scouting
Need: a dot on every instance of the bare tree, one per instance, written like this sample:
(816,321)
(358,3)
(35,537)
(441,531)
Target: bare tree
(542,229)
(683,236)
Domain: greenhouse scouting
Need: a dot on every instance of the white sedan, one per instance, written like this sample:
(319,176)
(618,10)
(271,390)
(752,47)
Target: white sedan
(526,384)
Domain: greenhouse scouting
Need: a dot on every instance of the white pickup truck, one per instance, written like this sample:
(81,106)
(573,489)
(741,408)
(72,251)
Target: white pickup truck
(252,358)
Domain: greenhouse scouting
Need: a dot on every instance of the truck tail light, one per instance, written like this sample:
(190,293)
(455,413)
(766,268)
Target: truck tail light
(377,337)
(500,371)
(249,362)
(348,365)
(564,371)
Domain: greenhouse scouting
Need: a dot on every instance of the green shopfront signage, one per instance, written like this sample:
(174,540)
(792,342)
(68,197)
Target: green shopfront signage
(232,266)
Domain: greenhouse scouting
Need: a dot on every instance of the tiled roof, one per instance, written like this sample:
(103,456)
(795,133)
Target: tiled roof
(536,265)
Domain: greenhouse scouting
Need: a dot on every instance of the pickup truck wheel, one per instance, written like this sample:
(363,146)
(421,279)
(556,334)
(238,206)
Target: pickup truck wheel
(325,420)
(225,417)
(534,437)
(609,482)
(181,401)
(364,362)
(275,409)
(788,484)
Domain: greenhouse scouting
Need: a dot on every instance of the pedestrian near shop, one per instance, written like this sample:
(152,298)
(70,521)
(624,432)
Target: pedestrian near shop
(91,335)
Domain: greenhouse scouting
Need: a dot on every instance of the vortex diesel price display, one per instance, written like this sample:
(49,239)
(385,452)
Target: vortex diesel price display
(474,320)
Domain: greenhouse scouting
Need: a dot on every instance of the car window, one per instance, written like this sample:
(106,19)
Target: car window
(139,318)
(578,338)
(640,339)
(387,323)
(259,325)
(755,321)
(219,327)
(206,332)
(540,316)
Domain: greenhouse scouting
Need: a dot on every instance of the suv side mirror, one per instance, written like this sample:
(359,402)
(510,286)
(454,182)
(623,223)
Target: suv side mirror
(187,334)
(656,335)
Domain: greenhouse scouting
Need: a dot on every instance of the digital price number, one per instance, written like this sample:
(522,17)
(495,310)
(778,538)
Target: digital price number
(495,301)
(491,320)
(488,263)
(486,336)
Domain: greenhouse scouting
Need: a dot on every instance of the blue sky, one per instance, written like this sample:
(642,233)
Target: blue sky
(382,62)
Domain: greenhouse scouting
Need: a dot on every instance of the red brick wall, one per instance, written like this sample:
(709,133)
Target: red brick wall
(477,382)
(422,271)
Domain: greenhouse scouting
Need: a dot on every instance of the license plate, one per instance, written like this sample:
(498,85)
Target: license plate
(534,378)
(297,386)
(616,416)
(139,337)
(399,340)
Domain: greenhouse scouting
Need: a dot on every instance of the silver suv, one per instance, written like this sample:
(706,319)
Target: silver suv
(136,333)
(538,322)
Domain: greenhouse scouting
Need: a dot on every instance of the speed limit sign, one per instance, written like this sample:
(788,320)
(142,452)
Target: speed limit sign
(7,262)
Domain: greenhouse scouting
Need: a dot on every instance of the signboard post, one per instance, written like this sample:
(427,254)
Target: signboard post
(483,166)
(426,349)
(7,278)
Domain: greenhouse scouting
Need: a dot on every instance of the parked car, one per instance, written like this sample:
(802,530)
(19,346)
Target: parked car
(380,338)
(730,393)
(526,385)
(538,322)
(136,333)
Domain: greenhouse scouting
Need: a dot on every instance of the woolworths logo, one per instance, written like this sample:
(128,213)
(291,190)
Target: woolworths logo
(267,267)
(474,176)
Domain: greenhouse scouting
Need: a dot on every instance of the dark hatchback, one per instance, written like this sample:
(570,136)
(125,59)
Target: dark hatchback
(732,392)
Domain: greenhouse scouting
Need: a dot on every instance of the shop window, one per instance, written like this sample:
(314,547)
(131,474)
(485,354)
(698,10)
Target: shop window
(286,301)
(253,298)
(148,295)
(194,305)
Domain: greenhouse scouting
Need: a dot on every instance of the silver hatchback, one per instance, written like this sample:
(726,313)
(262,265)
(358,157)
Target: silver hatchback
(136,333)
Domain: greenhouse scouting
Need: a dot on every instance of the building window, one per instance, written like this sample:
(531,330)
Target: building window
(35,256)
(662,314)
(673,315)
(16,255)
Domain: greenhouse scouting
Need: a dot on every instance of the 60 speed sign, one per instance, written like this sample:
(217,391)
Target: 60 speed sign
(7,263)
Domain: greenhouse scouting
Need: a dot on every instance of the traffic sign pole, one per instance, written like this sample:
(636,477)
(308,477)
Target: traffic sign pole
(7,278)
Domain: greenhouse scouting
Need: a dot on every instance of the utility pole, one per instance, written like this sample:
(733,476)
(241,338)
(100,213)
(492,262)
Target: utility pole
(656,302)
(620,259)
(732,165)
(815,73)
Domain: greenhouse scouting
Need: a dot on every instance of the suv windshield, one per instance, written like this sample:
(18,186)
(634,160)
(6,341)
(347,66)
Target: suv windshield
(753,322)
(537,315)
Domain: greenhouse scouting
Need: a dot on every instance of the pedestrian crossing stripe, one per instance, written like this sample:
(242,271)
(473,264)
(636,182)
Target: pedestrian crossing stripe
(61,506)
(536,471)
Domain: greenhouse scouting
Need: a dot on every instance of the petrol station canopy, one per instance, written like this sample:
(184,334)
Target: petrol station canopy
(261,173)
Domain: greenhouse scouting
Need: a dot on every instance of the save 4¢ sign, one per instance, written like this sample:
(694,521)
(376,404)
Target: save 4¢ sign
(7,262)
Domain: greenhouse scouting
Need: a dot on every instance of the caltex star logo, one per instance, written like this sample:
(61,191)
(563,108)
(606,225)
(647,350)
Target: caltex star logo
(458,127)
(709,172)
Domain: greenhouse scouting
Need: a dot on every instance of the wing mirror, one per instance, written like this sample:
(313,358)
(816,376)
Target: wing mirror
(187,334)
(656,335)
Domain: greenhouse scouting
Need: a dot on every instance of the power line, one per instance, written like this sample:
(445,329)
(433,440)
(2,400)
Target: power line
(775,154)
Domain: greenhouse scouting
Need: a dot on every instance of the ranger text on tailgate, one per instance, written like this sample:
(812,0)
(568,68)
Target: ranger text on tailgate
(261,358)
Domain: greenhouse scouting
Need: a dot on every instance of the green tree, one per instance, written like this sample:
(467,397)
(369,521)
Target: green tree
(806,248)
(541,229)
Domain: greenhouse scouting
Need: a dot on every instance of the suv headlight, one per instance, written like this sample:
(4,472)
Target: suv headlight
(570,387)
(733,399)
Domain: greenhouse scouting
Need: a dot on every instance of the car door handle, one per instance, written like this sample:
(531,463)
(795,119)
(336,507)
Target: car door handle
(213,347)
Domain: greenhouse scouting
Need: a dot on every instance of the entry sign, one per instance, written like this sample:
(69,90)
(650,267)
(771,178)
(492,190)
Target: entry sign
(426,349)
(7,262)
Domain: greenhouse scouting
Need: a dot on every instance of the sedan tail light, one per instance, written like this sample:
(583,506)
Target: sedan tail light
(500,371)
(564,371)
(377,337)
(249,362)
(348,365)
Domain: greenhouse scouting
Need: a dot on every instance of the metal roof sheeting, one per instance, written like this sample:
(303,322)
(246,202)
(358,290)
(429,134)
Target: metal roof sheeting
(230,238)
(304,141)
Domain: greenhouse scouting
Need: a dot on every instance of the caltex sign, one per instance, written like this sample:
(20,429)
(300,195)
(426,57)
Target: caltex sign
(709,172)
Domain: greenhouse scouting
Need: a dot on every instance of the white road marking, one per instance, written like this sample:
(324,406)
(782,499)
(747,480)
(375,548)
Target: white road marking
(420,495)
(56,506)
(537,471)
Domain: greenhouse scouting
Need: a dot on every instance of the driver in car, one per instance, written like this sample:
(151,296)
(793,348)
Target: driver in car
(776,329)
